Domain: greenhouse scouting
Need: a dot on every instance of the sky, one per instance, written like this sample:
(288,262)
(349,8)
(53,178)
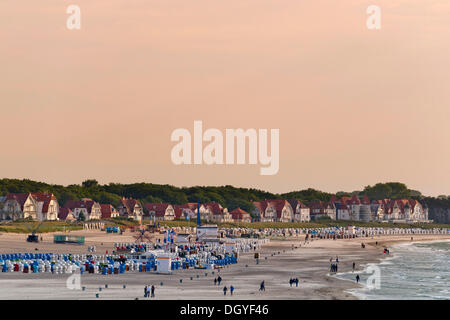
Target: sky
(353,106)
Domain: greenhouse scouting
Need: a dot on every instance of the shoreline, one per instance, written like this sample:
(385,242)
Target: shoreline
(386,243)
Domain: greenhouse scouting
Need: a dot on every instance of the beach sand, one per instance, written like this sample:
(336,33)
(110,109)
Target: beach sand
(279,261)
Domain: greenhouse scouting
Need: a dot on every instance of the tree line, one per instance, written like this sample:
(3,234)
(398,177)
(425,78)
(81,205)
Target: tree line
(228,196)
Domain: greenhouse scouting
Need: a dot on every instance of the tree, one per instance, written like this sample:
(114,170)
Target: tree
(81,217)
(89,183)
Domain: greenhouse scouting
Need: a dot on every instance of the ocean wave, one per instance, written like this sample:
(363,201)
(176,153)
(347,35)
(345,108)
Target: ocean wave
(408,274)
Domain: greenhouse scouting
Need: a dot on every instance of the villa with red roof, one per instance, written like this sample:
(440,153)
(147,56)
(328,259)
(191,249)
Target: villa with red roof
(108,211)
(319,209)
(160,211)
(130,208)
(217,213)
(66,214)
(90,209)
(265,211)
(37,206)
(184,211)
(240,215)
(273,211)
(301,211)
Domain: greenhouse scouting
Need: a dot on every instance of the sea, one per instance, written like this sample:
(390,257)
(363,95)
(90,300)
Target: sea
(412,271)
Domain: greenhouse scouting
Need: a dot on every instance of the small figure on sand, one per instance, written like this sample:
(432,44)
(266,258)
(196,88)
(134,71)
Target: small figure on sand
(146,291)
(231,290)
(262,287)
(219,280)
(215,281)
(152,290)
(357,278)
(225,290)
(353,267)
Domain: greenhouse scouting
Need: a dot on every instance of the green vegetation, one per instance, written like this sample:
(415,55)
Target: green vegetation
(48,226)
(121,222)
(228,196)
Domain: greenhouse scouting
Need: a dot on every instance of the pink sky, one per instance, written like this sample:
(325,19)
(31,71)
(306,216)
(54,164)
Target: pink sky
(354,106)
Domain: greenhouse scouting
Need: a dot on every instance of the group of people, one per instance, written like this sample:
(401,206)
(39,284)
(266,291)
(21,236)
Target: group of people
(292,281)
(218,280)
(225,289)
(334,266)
(149,291)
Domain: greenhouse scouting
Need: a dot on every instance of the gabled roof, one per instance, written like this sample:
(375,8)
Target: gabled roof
(129,204)
(21,198)
(63,213)
(45,198)
(239,214)
(261,206)
(279,206)
(178,212)
(294,203)
(215,208)
(365,200)
(84,203)
(107,210)
(158,208)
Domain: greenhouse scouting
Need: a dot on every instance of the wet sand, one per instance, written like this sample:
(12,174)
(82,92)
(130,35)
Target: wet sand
(278,263)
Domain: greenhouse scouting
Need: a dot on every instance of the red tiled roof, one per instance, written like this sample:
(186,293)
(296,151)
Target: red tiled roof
(84,203)
(178,212)
(63,213)
(107,210)
(21,198)
(158,208)
(215,208)
(239,214)
(45,198)
(279,205)
(129,204)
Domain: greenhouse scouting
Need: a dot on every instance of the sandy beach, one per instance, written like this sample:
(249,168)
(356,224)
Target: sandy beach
(280,260)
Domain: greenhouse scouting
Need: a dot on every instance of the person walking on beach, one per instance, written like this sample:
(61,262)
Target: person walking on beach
(231,290)
(296,282)
(225,290)
(354,265)
(145,291)
(152,291)
(357,278)
(219,280)
(291,281)
(215,281)
(262,286)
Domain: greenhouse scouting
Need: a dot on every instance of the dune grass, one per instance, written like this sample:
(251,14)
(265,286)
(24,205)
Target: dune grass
(47,226)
